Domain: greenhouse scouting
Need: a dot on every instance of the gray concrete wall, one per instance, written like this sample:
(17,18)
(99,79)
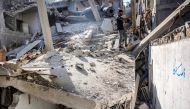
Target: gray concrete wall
(33,20)
(30,17)
(170,65)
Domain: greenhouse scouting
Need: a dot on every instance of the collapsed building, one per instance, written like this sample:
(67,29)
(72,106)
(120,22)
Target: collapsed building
(73,60)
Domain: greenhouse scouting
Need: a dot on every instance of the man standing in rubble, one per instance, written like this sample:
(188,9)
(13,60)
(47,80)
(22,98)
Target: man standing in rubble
(121,31)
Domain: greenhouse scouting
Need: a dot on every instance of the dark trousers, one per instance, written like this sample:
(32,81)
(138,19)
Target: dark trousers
(122,37)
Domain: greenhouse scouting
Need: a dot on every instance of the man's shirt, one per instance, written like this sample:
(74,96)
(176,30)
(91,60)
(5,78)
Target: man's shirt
(120,23)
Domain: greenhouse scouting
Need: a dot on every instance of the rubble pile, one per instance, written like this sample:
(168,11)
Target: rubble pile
(83,64)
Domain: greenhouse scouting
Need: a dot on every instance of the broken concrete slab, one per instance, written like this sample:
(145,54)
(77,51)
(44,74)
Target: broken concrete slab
(27,48)
(100,79)
(56,96)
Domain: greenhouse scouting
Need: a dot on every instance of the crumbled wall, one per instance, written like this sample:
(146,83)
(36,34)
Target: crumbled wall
(33,20)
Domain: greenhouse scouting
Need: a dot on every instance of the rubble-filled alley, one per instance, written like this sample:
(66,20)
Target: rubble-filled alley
(94,54)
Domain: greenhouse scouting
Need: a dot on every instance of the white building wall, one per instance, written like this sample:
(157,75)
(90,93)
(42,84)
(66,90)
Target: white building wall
(171,75)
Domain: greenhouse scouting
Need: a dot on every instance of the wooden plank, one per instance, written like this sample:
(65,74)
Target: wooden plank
(160,29)
(45,25)
(27,48)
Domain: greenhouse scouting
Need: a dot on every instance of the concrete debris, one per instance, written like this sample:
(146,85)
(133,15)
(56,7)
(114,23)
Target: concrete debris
(29,78)
(80,66)
(125,58)
(92,55)
(93,70)
(92,64)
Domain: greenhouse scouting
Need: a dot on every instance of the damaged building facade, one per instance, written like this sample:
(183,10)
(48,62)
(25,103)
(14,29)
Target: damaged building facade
(18,23)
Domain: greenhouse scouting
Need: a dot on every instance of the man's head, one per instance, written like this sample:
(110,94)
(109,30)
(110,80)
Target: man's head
(120,12)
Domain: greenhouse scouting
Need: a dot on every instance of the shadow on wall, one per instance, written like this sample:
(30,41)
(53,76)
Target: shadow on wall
(153,90)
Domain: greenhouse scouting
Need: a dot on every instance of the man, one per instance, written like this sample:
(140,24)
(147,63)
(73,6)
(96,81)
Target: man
(120,28)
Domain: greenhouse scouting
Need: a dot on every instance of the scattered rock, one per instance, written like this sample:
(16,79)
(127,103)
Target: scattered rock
(120,72)
(93,70)
(80,66)
(120,84)
(85,83)
(106,62)
(92,64)
(126,58)
(93,48)
(70,74)
(29,78)
(99,54)
(115,83)
(95,96)
(92,55)
(78,53)
(99,60)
